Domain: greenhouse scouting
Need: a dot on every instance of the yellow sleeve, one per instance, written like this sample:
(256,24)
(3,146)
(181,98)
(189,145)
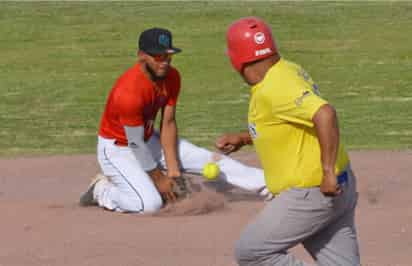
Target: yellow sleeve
(299,109)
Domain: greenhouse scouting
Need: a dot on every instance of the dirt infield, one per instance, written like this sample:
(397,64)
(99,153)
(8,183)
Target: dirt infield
(41,223)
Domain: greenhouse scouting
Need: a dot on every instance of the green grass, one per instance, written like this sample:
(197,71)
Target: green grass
(60,59)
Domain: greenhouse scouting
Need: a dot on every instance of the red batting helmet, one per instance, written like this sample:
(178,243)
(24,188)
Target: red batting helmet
(249,39)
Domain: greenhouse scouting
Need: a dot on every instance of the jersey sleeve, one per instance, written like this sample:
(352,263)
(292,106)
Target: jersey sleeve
(299,108)
(174,88)
(130,109)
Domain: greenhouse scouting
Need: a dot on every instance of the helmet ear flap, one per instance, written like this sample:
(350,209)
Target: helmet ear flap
(249,39)
(237,64)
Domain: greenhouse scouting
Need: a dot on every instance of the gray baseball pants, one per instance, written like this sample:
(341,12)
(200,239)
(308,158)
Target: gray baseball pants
(324,225)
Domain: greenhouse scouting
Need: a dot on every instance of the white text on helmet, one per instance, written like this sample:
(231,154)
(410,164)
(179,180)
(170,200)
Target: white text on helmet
(263,51)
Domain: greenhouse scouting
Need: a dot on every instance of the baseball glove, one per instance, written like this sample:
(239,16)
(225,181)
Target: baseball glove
(182,188)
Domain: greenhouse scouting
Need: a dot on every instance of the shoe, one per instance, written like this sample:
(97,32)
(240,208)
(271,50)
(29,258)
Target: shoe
(87,199)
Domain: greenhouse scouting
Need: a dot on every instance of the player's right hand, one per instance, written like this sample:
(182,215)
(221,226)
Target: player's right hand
(329,186)
(229,143)
(164,185)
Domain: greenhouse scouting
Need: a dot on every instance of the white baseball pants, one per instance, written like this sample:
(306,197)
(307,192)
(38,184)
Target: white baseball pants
(130,189)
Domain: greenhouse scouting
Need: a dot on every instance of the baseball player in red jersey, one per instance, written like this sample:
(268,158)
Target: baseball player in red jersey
(132,154)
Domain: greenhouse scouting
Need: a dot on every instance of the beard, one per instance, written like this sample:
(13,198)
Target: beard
(153,74)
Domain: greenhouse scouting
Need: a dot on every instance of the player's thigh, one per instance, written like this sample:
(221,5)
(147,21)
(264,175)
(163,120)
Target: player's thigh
(337,244)
(131,180)
(285,221)
(192,157)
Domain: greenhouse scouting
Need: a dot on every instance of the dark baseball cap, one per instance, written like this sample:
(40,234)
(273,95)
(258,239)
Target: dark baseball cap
(157,41)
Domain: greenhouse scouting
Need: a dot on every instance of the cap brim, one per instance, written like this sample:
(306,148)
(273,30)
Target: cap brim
(172,50)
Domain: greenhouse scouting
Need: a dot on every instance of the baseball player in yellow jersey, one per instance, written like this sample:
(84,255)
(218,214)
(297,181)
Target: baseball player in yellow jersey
(296,136)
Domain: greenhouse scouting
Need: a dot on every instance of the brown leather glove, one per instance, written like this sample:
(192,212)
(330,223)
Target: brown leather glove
(182,188)
(164,185)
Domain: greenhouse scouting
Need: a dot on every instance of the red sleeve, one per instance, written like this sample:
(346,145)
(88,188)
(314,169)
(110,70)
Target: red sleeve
(130,109)
(174,87)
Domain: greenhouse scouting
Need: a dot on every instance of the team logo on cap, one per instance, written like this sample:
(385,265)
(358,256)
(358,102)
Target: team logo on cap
(259,37)
(164,40)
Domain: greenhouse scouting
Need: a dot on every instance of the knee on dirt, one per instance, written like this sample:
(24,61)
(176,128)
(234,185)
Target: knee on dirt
(141,205)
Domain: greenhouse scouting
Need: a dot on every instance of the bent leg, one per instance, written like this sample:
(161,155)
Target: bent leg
(337,244)
(290,218)
(193,158)
(130,188)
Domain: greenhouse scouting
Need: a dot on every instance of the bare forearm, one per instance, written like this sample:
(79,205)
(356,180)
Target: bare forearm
(168,139)
(327,130)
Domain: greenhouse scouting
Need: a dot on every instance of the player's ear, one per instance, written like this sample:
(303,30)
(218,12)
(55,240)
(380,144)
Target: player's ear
(141,55)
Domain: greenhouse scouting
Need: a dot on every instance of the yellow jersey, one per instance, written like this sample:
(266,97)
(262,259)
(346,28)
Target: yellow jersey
(280,116)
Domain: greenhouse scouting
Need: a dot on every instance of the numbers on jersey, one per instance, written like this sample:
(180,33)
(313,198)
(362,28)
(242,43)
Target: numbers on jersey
(309,80)
(315,89)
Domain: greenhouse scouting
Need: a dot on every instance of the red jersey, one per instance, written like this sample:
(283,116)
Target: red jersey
(135,100)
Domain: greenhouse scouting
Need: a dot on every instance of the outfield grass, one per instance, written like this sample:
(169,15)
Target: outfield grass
(59,60)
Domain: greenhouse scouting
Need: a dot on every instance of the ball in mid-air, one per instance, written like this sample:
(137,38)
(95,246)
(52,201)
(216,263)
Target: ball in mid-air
(211,171)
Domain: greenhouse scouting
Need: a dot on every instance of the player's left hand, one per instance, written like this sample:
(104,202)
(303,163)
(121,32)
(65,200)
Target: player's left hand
(229,143)
(329,186)
(164,185)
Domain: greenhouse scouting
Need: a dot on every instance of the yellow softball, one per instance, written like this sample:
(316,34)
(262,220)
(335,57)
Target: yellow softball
(211,171)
